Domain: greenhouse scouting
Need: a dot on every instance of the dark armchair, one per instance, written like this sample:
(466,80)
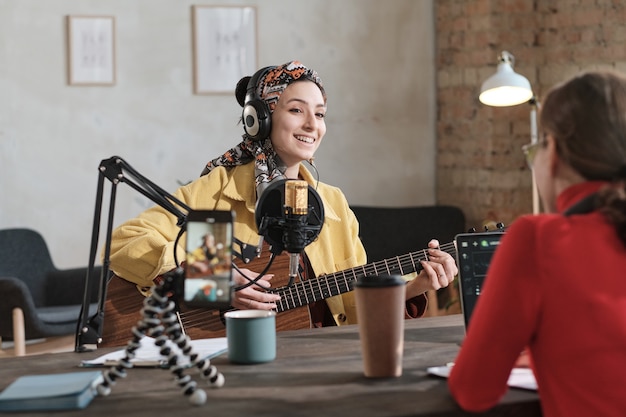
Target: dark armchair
(37,300)
(387,232)
(391,231)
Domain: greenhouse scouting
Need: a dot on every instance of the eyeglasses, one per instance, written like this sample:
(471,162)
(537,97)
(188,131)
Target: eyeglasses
(530,151)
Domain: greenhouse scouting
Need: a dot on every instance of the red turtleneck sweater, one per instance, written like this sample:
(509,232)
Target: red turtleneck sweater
(557,285)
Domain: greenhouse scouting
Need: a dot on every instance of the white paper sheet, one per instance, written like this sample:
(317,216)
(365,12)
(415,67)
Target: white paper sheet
(148,353)
(519,378)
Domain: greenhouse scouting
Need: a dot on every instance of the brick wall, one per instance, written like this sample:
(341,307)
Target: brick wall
(480,166)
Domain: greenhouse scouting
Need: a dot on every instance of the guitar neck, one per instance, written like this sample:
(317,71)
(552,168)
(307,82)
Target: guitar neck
(316,289)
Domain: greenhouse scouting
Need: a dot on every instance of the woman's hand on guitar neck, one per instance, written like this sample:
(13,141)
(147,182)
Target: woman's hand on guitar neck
(438,272)
(254,296)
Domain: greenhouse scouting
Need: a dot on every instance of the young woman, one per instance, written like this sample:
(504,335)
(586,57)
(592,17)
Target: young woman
(556,283)
(283,115)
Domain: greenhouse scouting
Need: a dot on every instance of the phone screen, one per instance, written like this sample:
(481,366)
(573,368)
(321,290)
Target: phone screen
(208,266)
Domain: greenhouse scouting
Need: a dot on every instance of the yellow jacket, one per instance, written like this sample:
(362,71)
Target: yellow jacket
(142,248)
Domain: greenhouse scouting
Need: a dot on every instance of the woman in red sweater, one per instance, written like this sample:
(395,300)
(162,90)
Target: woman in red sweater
(557,283)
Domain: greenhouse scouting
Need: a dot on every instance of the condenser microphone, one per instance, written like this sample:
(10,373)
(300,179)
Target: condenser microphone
(289,216)
(296,210)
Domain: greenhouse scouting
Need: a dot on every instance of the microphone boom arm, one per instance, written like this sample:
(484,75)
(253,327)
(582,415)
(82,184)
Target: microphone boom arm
(116,170)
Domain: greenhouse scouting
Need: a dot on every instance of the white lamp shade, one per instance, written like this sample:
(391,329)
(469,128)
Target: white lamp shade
(505,88)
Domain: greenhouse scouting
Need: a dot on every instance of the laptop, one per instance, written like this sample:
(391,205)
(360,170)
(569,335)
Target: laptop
(474,253)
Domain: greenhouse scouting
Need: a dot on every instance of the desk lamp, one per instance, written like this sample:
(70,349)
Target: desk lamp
(508,88)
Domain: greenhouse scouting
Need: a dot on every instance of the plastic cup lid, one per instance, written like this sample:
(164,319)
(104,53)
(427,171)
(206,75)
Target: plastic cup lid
(380,281)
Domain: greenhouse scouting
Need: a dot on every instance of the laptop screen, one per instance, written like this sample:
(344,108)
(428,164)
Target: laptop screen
(474,252)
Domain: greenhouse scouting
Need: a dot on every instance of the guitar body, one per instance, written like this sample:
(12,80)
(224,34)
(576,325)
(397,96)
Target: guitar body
(123,305)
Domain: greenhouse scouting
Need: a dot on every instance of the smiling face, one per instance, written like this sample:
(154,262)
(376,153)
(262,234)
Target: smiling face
(298,124)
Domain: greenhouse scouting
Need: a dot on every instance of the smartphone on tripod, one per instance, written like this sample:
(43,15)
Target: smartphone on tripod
(208,261)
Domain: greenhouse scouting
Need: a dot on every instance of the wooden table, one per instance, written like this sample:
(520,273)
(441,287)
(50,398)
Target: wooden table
(317,372)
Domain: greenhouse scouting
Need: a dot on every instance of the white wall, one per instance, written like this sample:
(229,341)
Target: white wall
(376,59)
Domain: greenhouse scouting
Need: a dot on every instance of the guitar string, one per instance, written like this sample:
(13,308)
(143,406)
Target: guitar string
(200,316)
(320,287)
(407,265)
(405,262)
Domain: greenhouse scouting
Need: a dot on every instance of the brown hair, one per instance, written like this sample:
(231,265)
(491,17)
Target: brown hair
(587,117)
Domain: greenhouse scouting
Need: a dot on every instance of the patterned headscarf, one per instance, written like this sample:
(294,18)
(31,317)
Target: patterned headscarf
(270,87)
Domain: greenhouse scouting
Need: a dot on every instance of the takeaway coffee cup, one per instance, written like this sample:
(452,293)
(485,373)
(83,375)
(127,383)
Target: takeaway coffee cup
(380,312)
(251,336)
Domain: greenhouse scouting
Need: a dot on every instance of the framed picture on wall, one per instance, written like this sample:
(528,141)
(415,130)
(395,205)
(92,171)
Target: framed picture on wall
(91,50)
(224,47)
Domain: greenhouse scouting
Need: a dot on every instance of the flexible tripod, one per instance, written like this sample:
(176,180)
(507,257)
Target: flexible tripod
(160,321)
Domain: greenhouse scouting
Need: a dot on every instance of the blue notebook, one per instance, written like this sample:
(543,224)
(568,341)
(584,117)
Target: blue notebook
(68,391)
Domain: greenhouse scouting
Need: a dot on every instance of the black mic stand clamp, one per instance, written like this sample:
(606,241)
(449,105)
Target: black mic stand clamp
(160,321)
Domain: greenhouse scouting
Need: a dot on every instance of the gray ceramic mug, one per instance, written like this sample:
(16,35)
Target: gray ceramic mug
(251,336)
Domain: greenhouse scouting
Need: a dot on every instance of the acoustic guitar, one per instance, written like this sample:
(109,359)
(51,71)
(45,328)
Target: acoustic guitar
(124,302)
